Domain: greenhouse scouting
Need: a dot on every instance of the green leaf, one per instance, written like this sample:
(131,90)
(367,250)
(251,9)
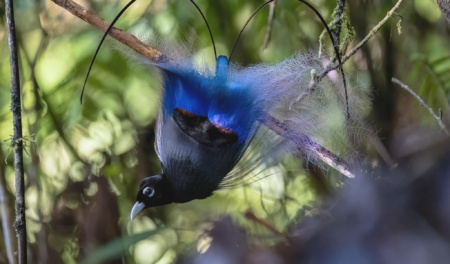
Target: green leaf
(117,247)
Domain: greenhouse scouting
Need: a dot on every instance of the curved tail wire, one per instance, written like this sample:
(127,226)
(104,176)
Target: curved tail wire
(100,45)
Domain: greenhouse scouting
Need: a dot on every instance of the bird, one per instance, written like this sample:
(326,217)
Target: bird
(216,128)
(212,128)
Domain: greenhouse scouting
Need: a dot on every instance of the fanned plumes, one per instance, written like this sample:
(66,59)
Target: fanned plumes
(319,116)
(315,127)
(264,150)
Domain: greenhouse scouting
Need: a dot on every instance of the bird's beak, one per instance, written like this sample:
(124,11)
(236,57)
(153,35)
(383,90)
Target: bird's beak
(137,207)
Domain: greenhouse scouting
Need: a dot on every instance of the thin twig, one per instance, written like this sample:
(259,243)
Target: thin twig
(251,216)
(6,199)
(423,104)
(20,222)
(318,78)
(372,32)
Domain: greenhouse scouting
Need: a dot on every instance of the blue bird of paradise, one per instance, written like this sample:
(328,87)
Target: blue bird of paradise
(214,128)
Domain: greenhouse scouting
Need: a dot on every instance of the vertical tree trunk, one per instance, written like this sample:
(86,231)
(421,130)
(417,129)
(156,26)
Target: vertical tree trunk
(20,223)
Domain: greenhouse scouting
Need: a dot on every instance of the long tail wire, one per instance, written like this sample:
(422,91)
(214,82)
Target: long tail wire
(333,40)
(101,43)
(336,50)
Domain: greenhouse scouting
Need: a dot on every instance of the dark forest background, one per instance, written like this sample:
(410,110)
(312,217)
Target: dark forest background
(83,163)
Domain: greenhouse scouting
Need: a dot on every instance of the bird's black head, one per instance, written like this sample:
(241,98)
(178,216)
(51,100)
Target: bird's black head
(153,191)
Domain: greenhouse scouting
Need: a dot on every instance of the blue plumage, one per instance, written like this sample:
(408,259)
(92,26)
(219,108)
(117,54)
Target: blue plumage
(226,103)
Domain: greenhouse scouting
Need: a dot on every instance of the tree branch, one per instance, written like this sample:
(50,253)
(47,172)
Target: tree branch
(251,216)
(305,143)
(422,103)
(335,26)
(318,78)
(339,11)
(120,35)
(20,222)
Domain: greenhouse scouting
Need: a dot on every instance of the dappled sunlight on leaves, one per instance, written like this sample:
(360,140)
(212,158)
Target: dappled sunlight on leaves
(84,162)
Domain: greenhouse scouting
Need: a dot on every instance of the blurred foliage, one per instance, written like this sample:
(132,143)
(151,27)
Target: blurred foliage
(84,162)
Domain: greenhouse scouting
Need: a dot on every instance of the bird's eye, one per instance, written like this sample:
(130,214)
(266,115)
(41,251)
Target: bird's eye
(148,191)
